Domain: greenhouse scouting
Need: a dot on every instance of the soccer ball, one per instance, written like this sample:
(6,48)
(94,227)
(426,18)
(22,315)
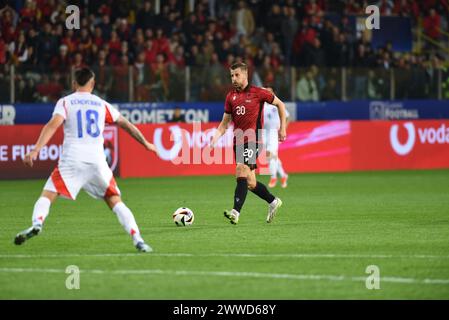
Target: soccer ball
(183,217)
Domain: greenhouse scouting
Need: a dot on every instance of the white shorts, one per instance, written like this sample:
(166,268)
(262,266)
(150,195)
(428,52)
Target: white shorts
(69,177)
(271,140)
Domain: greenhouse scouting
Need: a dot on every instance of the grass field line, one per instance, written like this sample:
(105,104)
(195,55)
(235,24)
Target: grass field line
(228,255)
(229,274)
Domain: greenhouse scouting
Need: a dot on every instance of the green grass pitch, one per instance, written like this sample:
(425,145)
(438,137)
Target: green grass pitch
(330,229)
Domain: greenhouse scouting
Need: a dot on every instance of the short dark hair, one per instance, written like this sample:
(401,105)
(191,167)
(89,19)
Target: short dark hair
(83,75)
(240,65)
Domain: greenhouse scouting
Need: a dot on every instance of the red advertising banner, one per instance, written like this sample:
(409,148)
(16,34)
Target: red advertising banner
(314,146)
(385,145)
(311,146)
(183,150)
(317,146)
(16,141)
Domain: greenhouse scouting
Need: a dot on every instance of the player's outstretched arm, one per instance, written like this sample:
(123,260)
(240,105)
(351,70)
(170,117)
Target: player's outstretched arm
(47,132)
(282,116)
(135,133)
(221,129)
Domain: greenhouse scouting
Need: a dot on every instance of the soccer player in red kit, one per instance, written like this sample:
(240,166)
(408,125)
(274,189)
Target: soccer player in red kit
(244,107)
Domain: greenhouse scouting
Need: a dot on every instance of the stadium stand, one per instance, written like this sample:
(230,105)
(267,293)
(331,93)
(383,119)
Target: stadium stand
(179,50)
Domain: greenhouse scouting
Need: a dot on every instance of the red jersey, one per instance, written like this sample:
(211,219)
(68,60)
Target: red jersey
(246,110)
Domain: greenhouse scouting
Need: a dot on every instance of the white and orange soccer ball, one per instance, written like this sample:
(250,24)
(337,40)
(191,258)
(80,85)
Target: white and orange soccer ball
(183,217)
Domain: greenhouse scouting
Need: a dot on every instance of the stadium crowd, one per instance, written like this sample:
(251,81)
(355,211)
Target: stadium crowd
(157,43)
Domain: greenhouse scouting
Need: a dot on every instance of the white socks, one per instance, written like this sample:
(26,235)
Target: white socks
(280,169)
(126,219)
(41,210)
(273,167)
(124,215)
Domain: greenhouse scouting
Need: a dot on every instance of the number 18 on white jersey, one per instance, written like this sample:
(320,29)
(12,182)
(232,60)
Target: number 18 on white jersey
(85,117)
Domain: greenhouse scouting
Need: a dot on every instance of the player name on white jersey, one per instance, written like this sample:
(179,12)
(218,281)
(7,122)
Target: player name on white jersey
(85,117)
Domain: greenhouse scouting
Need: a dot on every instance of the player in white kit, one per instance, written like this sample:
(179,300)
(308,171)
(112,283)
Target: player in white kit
(271,140)
(82,164)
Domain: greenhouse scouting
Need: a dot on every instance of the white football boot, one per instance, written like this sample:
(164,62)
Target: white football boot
(273,208)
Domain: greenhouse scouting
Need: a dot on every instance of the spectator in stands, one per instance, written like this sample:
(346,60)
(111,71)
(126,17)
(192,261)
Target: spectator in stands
(177,116)
(407,8)
(214,69)
(353,7)
(161,42)
(46,47)
(49,89)
(289,28)
(374,86)
(306,36)
(330,91)
(307,89)
(314,54)
(418,78)
(342,51)
(445,84)
(243,19)
(275,19)
(7,23)
(267,45)
(85,42)
(178,58)
(150,52)
(432,25)
(141,79)
(262,34)
(115,46)
(348,29)
(27,91)
(106,27)
(98,38)
(327,40)
(103,76)
(385,7)
(138,43)
(69,41)
(4,87)
(120,85)
(78,62)
(124,51)
(159,79)
(3,50)
(403,78)
(433,70)
(123,30)
(314,12)
(61,62)
(19,50)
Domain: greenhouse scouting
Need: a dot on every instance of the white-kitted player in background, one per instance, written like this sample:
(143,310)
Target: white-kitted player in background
(82,164)
(270,134)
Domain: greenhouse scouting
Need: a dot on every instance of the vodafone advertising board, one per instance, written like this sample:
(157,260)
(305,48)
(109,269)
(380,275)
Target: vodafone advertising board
(311,146)
(183,150)
(378,145)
